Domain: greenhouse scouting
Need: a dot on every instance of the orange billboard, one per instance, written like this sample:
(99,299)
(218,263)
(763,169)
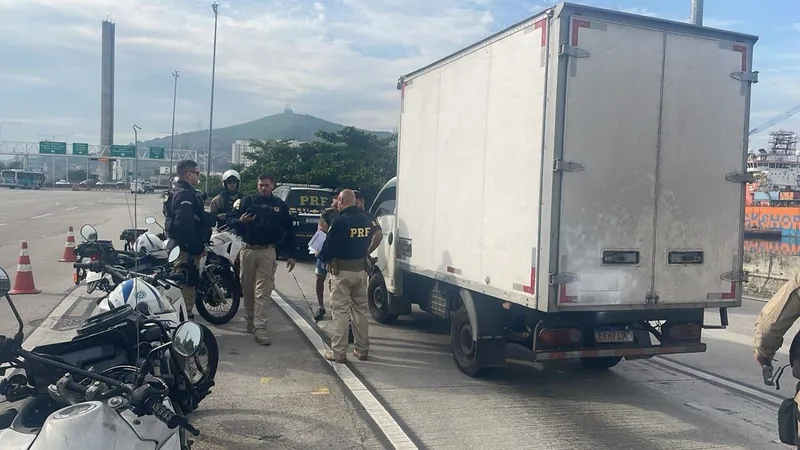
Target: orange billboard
(772,218)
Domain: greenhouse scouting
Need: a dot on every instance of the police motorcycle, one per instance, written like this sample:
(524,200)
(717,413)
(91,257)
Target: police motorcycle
(147,253)
(84,394)
(218,290)
(158,297)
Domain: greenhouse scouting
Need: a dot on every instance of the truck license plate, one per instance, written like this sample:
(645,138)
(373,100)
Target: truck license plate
(613,336)
(311,220)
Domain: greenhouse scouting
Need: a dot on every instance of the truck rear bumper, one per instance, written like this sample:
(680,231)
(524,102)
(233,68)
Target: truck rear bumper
(620,352)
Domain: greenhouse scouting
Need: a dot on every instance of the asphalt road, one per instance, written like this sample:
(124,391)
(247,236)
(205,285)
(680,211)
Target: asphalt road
(710,400)
(286,396)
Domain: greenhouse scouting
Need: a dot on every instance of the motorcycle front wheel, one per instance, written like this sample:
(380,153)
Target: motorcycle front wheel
(219,301)
(202,367)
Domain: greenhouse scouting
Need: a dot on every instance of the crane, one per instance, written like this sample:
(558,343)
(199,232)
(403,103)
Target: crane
(775,120)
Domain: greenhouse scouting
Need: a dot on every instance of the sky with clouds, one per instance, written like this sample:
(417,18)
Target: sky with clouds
(334,59)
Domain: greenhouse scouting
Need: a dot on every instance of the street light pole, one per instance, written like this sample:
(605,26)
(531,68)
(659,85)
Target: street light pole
(696,16)
(172,141)
(136,129)
(214,7)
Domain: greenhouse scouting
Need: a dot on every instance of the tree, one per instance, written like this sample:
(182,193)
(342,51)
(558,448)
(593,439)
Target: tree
(350,158)
(14,165)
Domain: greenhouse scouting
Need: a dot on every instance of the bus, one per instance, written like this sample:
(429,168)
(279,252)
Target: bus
(23,179)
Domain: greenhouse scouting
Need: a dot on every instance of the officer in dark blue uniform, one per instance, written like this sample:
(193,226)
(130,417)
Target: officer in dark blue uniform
(188,226)
(345,253)
(264,223)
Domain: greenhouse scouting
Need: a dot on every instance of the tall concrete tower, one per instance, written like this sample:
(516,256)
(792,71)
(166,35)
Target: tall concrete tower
(107,98)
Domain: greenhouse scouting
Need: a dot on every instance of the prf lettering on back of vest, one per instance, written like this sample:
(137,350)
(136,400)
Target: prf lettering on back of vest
(359,232)
(313,200)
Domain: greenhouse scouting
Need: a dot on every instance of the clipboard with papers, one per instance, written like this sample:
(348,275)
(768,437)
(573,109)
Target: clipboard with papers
(315,244)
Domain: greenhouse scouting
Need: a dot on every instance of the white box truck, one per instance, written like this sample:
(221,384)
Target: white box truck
(574,184)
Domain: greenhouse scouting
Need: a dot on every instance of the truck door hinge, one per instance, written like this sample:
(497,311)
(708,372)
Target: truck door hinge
(735,277)
(651,298)
(741,177)
(562,278)
(749,77)
(572,51)
(566,166)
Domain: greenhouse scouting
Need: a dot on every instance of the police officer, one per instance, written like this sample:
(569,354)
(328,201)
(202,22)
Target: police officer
(188,226)
(264,222)
(222,204)
(775,319)
(345,252)
(376,232)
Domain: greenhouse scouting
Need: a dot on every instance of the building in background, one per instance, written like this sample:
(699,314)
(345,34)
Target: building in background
(238,150)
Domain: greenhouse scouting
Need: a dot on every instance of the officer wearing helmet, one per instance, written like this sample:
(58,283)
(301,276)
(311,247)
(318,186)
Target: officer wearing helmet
(222,204)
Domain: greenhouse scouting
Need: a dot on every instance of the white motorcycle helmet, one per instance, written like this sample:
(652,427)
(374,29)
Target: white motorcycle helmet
(150,244)
(135,291)
(230,174)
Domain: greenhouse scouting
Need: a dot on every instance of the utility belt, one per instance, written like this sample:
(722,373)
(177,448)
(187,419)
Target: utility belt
(258,246)
(347,265)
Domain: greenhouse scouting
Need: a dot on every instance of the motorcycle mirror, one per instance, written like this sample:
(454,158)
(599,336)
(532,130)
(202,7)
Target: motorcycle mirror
(187,339)
(149,220)
(5,282)
(89,233)
(174,254)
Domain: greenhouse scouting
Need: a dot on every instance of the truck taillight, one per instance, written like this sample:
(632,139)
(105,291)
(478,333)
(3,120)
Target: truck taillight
(683,331)
(555,337)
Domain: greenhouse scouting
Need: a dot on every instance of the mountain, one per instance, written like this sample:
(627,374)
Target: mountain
(287,125)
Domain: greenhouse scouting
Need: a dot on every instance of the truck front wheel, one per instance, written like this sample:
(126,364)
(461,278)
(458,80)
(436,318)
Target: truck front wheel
(378,300)
(464,346)
(600,363)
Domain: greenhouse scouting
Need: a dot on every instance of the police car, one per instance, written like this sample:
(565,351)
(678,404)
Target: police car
(306,202)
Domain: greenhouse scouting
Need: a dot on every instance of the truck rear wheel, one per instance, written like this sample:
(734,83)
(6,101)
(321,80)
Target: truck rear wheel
(600,363)
(378,300)
(464,346)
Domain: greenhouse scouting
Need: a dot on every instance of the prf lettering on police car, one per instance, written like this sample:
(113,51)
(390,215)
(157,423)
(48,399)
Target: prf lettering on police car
(359,232)
(313,200)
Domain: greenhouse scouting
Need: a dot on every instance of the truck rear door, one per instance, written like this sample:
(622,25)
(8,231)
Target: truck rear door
(653,151)
(608,167)
(699,219)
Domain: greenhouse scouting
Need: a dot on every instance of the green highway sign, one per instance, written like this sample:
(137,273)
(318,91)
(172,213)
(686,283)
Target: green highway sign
(156,152)
(53,148)
(80,149)
(123,151)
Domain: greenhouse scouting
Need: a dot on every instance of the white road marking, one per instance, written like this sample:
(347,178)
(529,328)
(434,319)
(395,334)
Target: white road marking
(736,338)
(43,215)
(720,381)
(44,333)
(3,224)
(390,428)
(70,209)
(90,204)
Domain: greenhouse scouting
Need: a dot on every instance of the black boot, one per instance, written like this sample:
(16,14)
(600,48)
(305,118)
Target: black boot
(319,314)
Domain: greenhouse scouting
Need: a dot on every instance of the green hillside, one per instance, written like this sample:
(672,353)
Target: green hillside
(287,125)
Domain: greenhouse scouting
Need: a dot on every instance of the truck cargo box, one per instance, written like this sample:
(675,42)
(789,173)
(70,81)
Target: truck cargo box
(580,160)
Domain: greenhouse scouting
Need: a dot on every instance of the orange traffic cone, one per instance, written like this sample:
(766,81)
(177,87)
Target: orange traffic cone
(23,281)
(69,248)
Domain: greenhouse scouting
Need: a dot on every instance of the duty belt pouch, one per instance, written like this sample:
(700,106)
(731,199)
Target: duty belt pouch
(787,421)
